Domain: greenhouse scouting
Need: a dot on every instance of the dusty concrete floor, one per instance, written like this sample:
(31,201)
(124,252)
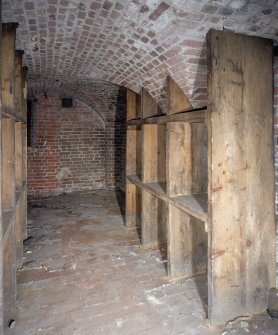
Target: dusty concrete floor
(84,274)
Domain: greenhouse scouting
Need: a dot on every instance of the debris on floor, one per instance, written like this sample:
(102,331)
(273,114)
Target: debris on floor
(86,275)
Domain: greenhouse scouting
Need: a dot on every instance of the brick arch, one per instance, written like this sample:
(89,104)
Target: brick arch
(129,43)
(99,95)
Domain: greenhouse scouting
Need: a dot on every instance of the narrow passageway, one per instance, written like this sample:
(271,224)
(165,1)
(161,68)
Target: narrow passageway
(85,274)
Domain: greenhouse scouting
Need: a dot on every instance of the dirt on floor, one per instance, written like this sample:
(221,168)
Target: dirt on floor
(85,274)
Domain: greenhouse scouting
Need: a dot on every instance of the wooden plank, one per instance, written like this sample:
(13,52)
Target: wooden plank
(192,204)
(153,223)
(24,179)
(8,65)
(131,105)
(176,98)
(9,270)
(149,106)
(133,167)
(153,153)
(24,93)
(8,163)
(187,245)
(18,83)
(241,175)
(133,205)
(199,115)
(199,144)
(131,145)
(19,219)
(18,154)
(179,159)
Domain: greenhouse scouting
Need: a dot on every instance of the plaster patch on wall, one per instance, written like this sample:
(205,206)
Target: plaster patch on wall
(64,173)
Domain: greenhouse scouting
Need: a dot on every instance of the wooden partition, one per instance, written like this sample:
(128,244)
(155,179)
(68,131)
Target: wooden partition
(211,174)
(241,175)
(133,159)
(13,172)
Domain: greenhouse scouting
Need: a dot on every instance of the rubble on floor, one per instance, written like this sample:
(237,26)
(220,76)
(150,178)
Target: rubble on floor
(85,274)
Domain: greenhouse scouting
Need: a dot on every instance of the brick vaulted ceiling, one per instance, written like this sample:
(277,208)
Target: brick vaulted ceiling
(70,43)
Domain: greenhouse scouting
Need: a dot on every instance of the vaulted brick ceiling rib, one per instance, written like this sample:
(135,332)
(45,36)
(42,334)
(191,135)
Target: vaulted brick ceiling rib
(129,43)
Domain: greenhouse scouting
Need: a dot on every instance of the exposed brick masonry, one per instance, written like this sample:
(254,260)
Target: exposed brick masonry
(130,43)
(73,149)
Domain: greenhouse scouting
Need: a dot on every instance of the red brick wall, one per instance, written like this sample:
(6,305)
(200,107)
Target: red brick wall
(68,148)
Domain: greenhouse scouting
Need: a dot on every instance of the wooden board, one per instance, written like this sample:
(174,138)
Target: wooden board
(178,159)
(24,93)
(187,245)
(133,105)
(149,106)
(192,204)
(133,205)
(19,219)
(241,175)
(24,179)
(9,274)
(18,154)
(176,98)
(153,225)
(8,64)
(186,158)
(8,163)
(199,115)
(18,83)
(199,144)
(153,153)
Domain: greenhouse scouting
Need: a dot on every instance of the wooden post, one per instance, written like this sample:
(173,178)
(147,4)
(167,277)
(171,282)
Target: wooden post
(241,175)
(8,65)
(8,171)
(24,149)
(153,171)
(185,174)
(133,162)
(20,211)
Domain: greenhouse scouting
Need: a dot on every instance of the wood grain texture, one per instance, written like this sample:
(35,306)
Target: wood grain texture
(131,105)
(133,167)
(194,116)
(187,244)
(153,225)
(176,98)
(241,175)
(153,153)
(18,154)
(133,205)
(18,101)
(9,275)
(192,204)
(199,144)
(149,106)
(8,163)
(19,225)
(178,159)
(8,64)
(24,93)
